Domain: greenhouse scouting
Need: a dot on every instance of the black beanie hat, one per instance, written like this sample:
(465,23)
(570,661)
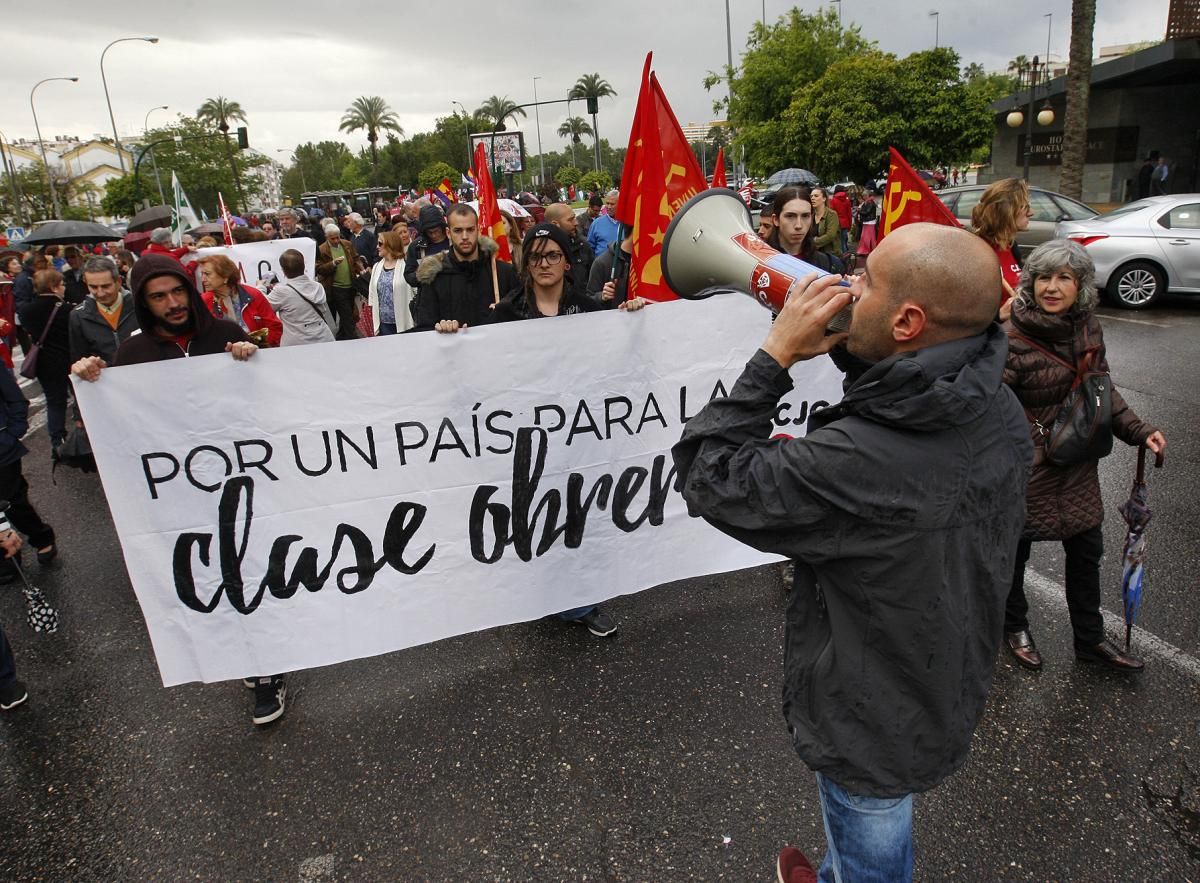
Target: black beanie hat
(546,230)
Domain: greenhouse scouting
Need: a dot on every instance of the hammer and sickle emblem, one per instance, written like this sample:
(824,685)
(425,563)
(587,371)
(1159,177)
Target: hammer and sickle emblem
(894,207)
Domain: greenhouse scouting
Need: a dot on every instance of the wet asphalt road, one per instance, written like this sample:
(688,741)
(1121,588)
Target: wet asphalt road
(535,752)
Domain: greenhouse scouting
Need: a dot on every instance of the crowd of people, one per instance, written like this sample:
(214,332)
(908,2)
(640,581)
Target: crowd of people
(908,580)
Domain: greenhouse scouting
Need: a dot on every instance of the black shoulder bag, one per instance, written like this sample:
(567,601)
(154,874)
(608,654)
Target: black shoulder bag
(1082,427)
(29,364)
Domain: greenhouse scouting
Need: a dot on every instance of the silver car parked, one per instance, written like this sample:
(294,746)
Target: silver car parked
(1048,209)
(1143,249)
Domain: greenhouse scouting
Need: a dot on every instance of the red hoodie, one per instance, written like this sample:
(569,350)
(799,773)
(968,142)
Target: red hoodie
(177,253)
(840,203)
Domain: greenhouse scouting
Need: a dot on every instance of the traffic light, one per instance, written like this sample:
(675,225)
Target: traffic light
(243,138)
(593,104)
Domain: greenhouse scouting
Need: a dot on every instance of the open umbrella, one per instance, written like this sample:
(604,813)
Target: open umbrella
(71,233)
(1137,514)
(791,177)
(150,218)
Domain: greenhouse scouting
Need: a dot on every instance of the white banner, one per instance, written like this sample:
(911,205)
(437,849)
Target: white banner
(260,260)
(329,502)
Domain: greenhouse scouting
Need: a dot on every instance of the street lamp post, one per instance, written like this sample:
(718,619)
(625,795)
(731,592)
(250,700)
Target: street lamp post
(538,124)
(42,144)
(108,101)
(1045,116)
(937,21)
(467,128)
(153,159)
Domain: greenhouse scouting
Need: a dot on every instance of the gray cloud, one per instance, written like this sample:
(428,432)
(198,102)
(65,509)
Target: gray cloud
(295,66)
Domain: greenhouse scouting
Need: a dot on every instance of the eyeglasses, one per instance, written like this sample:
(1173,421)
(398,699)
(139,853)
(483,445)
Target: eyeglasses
(549,258)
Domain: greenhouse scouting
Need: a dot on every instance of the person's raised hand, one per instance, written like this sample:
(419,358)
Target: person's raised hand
(608,292)
(798,333)
(88,368)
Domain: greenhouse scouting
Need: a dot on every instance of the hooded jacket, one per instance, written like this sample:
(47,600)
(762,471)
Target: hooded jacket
(461,290)
(254,309)
(301,306)
(91,335)
(902,507)
(1062,501)
(209,334)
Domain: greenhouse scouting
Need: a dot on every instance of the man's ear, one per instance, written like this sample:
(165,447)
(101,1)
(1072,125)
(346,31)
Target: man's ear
(908,323)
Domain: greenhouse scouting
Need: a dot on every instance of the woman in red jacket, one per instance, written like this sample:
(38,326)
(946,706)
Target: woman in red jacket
(227,298)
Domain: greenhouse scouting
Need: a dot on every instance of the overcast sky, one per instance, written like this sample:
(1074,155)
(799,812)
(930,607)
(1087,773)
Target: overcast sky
(295,66)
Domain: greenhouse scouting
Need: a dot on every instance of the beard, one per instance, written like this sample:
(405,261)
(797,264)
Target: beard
(174,329)
(471,252)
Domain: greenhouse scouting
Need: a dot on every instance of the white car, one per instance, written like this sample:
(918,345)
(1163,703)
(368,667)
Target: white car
(1143,249)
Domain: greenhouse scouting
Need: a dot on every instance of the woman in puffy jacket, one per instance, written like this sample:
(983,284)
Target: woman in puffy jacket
(228,298)
(1053,325)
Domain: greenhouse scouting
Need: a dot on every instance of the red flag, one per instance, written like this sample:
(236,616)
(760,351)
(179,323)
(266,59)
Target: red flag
(660,175)
(719,171)
(491,222)
(908,199)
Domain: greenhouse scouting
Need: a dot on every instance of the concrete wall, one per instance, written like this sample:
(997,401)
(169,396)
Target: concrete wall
(1167,122)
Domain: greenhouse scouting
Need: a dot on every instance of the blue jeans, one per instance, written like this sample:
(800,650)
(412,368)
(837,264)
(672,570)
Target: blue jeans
(869,838)
(576,613)
(386,328)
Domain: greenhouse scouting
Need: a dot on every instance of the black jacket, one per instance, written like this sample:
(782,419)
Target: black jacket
(54,359)
(209,336)
(15,419)
(367,245)
(601,272)
(91,335)
(418,250)
(903,506)
(460,290)
(517,304)
(581,262)
(77,288)
(22,290)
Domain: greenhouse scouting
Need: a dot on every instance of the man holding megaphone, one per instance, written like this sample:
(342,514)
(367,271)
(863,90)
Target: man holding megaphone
(902,507)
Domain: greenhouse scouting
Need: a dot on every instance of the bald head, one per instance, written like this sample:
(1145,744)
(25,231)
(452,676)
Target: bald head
(562,216)
(951,274)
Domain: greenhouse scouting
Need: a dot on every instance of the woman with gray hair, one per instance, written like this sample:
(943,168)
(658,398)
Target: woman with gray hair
(1052,329)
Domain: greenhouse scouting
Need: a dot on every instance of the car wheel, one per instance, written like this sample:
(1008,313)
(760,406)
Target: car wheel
(1136,286)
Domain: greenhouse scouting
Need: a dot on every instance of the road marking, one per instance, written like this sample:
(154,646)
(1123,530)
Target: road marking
(1134,321)
(1145,644)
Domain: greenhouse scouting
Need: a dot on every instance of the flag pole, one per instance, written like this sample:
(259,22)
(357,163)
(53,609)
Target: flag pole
(495,280)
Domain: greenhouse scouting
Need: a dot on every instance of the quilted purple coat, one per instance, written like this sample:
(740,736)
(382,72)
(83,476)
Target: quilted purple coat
(1061,501)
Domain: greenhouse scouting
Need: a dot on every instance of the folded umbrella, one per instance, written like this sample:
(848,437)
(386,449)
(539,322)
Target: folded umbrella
(42,617)
(1137,514)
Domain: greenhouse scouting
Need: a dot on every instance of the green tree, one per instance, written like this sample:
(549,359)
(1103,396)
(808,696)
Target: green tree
(718,137)
(370,113)
(842,124)
(567,175)
(591,88)
(780,60)
(201,160)
(601,182)
(497,111)
(574,128)
(120,197)
(432,175)
(316,166)
(1079,78)
(218,112)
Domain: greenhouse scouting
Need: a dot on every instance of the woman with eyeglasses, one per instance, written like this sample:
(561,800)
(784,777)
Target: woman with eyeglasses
(547,289)
(1002,212)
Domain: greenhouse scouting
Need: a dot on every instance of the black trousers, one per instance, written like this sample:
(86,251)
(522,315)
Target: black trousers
(1084,551)
(15,490)
(341,301)
(8,666)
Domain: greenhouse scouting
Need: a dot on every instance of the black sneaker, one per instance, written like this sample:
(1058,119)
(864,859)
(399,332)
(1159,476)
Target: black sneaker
(598,623)
(269,696)
(12,694)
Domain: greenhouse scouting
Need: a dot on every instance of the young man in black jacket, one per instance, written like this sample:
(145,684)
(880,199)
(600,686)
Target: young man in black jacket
(902,508)
(462,284)
(175,324)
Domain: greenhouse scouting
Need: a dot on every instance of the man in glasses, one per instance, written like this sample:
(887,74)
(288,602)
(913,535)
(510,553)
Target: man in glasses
(461,285)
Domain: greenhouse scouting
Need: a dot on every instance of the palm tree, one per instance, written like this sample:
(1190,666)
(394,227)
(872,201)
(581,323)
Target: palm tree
(1018,64)
(591,88)
(372,113)
(573,128)
(218,112)
(1079,78)
(497,111)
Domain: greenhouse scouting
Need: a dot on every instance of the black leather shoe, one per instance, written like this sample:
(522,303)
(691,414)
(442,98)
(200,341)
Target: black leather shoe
(1107,655)
(1020,644)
